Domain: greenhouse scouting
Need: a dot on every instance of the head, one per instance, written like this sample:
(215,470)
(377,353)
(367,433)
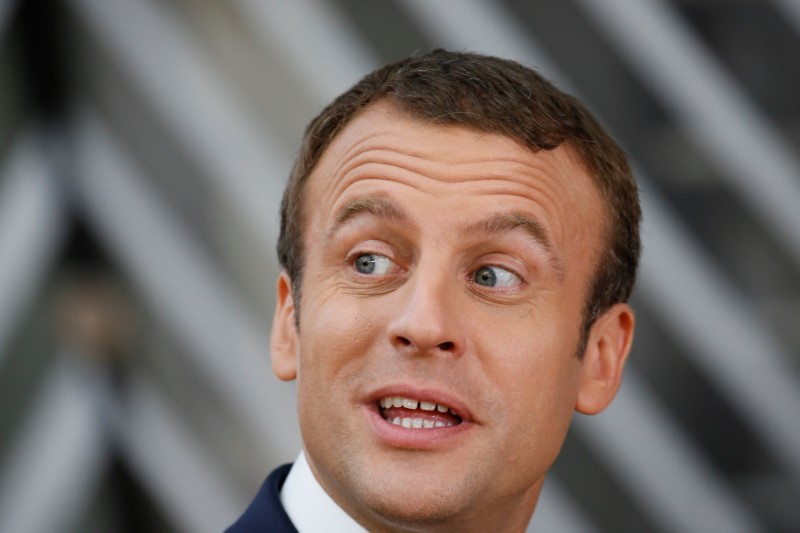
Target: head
(493,95)
(458,230)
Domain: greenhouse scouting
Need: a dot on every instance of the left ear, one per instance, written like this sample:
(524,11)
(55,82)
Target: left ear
(606,352)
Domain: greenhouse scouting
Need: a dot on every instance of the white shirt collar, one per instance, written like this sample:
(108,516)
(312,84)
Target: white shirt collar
(309,507)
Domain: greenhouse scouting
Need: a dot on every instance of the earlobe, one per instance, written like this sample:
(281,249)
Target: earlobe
(284,342)
(604,359)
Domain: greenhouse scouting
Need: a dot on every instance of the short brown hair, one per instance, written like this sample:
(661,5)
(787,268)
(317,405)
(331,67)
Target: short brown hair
(496,96)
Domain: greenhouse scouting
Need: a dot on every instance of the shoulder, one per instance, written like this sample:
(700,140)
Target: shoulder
(266,513)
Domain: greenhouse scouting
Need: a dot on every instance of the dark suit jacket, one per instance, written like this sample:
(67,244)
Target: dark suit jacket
(266,513)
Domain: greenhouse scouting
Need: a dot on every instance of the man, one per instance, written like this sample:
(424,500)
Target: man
(458,241)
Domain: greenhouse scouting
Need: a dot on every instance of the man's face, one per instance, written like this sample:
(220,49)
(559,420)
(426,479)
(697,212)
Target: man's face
(444,284)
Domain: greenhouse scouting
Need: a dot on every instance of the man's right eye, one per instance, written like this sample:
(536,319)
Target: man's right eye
(373,264)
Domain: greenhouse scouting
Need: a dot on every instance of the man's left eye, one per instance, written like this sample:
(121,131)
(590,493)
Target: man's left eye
(494,276)
(373,264)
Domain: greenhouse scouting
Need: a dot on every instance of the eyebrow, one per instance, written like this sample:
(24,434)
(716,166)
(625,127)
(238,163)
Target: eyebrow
(507,222)
(493,225)
(379,207)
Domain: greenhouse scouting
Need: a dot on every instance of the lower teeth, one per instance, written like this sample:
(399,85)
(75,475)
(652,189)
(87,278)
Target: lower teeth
(418,423)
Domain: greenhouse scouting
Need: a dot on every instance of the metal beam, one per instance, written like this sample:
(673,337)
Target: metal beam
(183,287)
(708,104)
(6,11)
(31,228)
(661,467)
(315,38)
(195,106)
(729,340)
(556,511)
(193,489)
(56,461)
(791,11)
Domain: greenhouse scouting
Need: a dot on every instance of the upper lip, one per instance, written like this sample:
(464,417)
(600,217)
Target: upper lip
(428,394)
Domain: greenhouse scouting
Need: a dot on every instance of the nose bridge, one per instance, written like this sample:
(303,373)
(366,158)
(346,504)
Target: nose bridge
(427,320)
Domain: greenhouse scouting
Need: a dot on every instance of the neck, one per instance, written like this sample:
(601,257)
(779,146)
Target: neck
(511,514)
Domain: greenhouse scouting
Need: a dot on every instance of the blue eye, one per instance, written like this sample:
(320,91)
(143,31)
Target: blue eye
(373,264)
(493,276)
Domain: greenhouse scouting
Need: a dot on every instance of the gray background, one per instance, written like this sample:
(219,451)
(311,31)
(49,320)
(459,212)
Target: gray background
(144,145)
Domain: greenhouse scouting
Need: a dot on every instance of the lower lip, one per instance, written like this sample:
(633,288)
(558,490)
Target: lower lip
(411,438)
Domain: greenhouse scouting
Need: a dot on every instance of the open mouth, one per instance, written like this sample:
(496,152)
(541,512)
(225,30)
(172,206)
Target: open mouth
(417,414)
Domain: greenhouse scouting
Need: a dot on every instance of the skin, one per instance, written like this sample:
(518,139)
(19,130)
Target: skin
(438,207)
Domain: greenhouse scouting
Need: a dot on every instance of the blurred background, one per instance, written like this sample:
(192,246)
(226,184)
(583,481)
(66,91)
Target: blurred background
(144,145)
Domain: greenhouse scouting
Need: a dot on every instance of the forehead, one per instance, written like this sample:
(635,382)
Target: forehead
(382,128)
(385,148)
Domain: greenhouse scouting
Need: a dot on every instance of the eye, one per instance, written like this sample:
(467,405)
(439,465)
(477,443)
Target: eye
(494,276)
(373,264)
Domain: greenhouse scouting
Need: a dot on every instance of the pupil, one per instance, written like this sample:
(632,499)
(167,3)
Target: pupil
(365,264)
(486,276)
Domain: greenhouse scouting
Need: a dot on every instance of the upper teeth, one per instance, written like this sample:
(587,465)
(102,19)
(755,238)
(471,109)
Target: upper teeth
(410,403)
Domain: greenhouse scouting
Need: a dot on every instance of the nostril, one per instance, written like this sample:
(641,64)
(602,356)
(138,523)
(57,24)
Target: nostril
(447,346)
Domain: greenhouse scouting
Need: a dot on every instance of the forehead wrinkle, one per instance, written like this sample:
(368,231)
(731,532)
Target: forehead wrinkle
(440,168)
(379,207)
(346,169)
(506,222)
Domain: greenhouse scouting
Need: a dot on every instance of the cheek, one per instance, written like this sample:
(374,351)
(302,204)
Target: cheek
(336,341)
(541,411)
(337,334)
(534,368)
(543,378)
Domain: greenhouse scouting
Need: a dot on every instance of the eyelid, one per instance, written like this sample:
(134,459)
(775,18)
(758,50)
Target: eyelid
(361,246)
(516,265)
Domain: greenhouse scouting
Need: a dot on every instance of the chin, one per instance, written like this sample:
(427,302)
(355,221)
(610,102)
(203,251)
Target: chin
(409,501)
(416,511)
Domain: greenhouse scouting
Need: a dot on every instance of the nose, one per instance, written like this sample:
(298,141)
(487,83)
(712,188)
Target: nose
(427,321)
